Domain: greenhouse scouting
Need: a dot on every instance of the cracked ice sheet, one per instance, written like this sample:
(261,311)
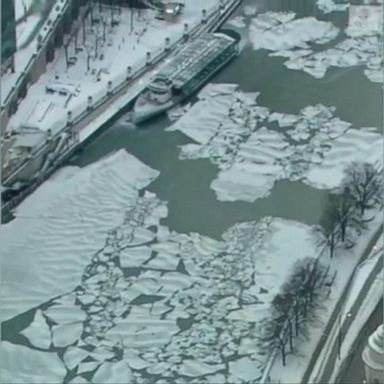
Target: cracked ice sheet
(285,36)
(278,31)
(328,6)
(251,157)
(20,364)
(361,146)
(45,257)
(38,332)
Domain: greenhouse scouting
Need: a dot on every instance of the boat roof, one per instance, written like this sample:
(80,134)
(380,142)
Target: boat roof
(195,56)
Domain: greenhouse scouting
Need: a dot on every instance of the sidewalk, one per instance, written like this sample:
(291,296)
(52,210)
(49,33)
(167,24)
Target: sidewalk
(364,297)
(320,368)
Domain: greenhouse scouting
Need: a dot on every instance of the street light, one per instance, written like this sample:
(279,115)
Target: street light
(349,315)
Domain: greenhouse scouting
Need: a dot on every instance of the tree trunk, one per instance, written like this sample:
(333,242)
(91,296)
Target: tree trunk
(343,229)
(290,337)
(282,347)
(66,55)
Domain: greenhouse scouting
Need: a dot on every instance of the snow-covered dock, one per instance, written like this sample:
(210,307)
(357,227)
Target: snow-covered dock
(65,94)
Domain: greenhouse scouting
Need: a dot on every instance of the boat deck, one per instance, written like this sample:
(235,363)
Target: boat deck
(194,58)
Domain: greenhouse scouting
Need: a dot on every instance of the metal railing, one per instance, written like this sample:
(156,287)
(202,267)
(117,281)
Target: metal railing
(214,19)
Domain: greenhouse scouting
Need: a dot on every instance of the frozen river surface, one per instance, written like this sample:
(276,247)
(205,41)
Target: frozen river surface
(155,256)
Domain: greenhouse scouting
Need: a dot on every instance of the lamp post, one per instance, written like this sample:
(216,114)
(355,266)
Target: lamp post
(340,334)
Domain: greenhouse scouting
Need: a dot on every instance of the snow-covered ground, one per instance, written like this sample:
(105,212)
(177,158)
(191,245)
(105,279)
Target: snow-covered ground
(240,136)
(344,263)
(190,295)
(301,41)
(46,111)
(21,7)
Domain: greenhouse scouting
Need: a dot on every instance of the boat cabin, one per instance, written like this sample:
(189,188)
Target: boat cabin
(160,90)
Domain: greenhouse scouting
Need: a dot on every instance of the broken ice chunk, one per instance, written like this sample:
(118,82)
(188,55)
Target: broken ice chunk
(38,332)
(113,373)
(66,334)
(73,356)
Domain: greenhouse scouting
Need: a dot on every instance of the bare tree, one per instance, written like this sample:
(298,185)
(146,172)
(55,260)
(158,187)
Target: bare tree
(348,216)
(327,232)
(89,49)
(365,182)
(66,43)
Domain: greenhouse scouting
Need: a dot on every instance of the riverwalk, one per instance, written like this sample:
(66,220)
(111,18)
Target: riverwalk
(47,155)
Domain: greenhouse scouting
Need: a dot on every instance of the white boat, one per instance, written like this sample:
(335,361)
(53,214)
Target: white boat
(186,73)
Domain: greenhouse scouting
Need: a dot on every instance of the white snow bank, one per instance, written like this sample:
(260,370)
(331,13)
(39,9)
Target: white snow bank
(22,365)
(71,217)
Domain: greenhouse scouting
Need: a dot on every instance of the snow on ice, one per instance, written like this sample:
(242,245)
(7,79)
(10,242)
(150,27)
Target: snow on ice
(328,6)
(124,323)
(242,139)
(38,332)
(20,364)
(300,41)
(71,220)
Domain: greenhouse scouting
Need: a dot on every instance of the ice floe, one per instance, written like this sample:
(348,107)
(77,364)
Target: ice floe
(113,373)
(238,22)
(154,303)
(65,313)
(243,370)
(328,6)
(237,135)
(66,334)
(38,332)
(20,364)
(278,31)
(73,356)
(71,223)
(300,41)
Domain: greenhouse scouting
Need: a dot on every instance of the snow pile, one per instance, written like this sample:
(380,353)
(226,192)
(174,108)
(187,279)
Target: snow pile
(242,139)
(328,6)
(70,216)
(294,38)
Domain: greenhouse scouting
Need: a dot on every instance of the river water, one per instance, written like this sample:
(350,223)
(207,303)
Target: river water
(185,184)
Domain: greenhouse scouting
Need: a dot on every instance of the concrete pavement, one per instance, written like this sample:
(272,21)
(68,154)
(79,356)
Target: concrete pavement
(353,372)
